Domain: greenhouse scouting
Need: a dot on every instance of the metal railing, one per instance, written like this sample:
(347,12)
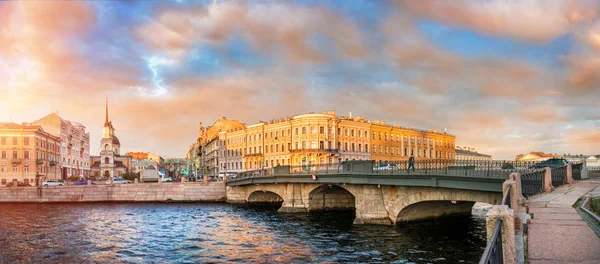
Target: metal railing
(559,176)
(473,168)
(576,168)
(493,250)
(468,168)
(532,183)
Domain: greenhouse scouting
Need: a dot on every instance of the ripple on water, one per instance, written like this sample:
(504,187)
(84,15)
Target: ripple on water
(192,233)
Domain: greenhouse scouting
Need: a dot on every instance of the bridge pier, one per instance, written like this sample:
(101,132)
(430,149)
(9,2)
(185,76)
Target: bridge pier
(370,206)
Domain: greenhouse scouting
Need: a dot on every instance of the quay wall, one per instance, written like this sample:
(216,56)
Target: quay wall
(140,192)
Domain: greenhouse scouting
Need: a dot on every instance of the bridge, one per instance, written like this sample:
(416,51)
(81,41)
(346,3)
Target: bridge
(380,194)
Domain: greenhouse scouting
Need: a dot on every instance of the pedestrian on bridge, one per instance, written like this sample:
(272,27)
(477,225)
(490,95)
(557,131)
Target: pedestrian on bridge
(411,162)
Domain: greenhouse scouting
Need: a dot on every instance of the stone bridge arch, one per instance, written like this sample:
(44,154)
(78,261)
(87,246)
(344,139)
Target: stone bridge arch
(331,197)
(261,196)
(418,203)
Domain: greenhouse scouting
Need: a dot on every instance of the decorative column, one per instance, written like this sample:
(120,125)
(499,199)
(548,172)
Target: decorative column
(569,173)
(548,180)
(515,176)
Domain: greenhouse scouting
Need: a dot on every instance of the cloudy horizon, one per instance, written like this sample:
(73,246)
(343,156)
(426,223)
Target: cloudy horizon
(504,77)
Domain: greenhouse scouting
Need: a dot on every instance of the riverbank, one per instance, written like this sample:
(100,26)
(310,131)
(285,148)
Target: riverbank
(141,192)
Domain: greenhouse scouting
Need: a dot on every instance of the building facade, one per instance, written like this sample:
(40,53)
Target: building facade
(28,154)
(74,146)
(465,153)
(110,163)
(316,139)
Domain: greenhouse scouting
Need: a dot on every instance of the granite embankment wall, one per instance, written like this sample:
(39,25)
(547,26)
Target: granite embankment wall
(142,192)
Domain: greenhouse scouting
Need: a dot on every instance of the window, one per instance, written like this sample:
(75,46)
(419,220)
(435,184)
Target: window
(26,168)
(373,135)
(15,154)
(359,133)
(4,154)
(297,145)
(15,168)
(418,152)
(359,147)
(412,140)
(3,167)
(386,150)
(313,144)
(303,144)
(303,130)
(26,154)
(379,135)
(26,141)
(366,148)
(313,130)
(346,146)
(419,141)
(352,133)
(405,152)
(322,130)
(385,136)
(15,141)
(106,160)
(346,132)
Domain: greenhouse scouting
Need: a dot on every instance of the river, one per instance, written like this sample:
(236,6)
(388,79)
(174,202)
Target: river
(200,233)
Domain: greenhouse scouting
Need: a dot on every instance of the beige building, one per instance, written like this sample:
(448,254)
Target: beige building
(315,139)
(28,154)
(466,153)
(74,147)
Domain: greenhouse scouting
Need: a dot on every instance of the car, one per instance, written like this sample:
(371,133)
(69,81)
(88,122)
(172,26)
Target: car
(551,163)
(51,183)
(386,167)
(83,182)
(19,184)
(119,181)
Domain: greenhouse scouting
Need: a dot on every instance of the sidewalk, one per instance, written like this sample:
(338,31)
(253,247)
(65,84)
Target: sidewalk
(557,234)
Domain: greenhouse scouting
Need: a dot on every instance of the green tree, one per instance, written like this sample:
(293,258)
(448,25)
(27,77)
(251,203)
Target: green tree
(131,176)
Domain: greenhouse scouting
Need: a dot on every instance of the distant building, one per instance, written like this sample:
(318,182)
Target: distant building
(311,139)
(74,147)
(110,163)
(465,153)
(536,156)
(591,160)
(175,167)
(140,165)
(28,154)
(145,156)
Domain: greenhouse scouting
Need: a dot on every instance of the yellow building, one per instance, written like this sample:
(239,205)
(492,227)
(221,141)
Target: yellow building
(322,139)
(28,154)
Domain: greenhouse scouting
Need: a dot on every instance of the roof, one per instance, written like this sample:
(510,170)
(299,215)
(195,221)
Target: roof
(115,140)
(466,152)
(118,164)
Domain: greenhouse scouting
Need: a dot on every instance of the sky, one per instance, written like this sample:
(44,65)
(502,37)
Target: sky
(503,76)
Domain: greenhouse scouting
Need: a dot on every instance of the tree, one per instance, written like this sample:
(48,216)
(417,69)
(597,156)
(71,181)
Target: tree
(520,156)
(131,176)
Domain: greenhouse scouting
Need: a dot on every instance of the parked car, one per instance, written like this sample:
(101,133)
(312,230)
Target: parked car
(386,167)
(51,183)
(19,184)
(552,163)
(83,182)
(119,181)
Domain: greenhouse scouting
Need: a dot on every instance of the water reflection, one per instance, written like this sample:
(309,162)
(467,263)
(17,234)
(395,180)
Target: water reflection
(191,233)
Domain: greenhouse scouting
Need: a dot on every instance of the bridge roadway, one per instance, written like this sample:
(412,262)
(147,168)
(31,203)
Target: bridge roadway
(377,198)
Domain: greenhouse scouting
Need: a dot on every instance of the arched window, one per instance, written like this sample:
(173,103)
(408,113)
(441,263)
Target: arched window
(106,160)
(106,147)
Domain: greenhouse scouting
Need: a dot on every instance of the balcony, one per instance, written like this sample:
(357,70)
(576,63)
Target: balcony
(39,161)
(52,163)
(315,150)
(253,155)
(15,160)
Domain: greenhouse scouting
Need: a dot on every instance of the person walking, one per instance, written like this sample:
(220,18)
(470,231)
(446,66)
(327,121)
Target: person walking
(411,162)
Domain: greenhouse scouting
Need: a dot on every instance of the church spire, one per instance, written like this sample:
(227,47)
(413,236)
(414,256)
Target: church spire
(106,122)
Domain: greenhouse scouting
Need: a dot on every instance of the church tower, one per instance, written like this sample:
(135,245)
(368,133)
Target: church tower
(109,148)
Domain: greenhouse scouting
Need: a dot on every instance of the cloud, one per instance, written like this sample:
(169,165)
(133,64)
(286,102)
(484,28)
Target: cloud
(282,30)
(530,20)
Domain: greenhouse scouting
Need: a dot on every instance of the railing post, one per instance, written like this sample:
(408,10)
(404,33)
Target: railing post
(569,173)
(515,176)
(547,180)
(514,199)
(508,230)
(584,170)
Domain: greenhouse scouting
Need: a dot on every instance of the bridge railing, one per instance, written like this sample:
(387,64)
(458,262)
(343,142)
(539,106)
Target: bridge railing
(559,176)
(474,168)
(532,183)
(577,167)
